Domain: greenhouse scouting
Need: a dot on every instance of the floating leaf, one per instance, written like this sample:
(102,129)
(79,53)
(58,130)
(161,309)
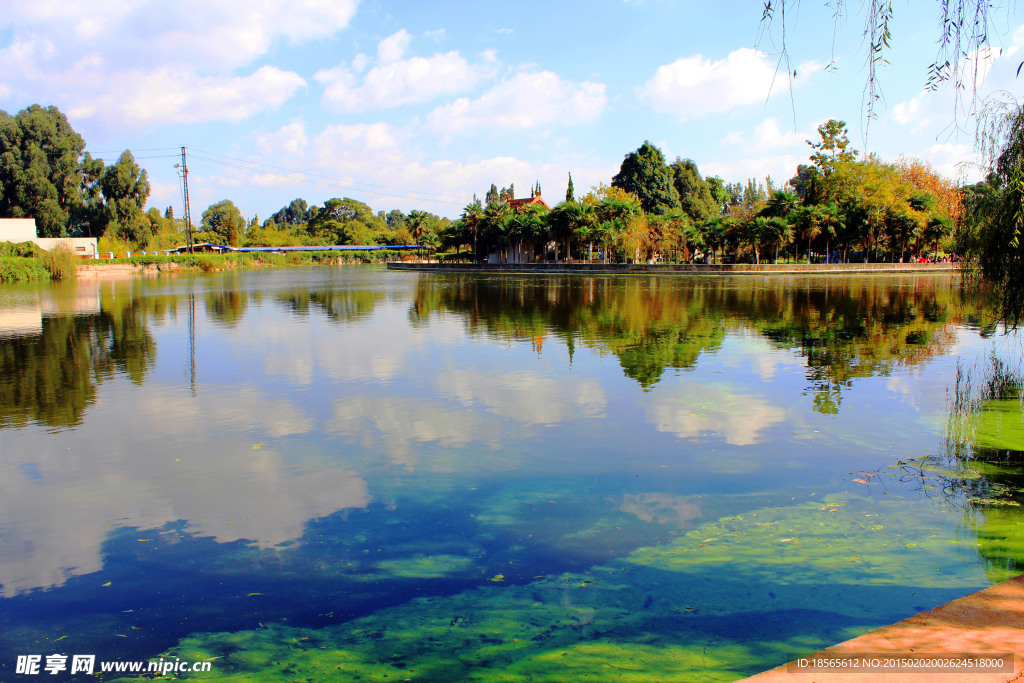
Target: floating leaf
(106,584)
(497,578)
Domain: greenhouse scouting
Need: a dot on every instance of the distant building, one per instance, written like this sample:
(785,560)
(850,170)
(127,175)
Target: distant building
(24,230)
(520,204)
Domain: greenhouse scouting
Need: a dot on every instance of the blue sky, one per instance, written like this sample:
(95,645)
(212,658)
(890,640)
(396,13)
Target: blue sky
(420,104)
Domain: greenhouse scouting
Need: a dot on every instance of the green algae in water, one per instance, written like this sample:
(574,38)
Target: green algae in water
(1000,424)
(425,566)
(722,601)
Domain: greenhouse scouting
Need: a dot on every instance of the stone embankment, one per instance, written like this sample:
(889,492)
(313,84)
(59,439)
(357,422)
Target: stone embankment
(681,269)
(124,269)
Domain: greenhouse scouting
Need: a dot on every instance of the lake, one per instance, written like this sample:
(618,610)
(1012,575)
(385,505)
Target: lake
(353,474)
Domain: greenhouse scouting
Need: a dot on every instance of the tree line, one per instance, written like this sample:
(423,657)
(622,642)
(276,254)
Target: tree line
(841,206)
(341,220)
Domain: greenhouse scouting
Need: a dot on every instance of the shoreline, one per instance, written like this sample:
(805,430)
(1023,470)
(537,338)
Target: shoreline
(985,624)
(680,269)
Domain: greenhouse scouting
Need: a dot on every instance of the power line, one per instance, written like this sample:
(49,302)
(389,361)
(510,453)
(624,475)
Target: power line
(320,179)
(121,151)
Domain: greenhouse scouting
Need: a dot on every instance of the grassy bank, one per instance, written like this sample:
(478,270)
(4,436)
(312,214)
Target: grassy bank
(25,262)
(22,269)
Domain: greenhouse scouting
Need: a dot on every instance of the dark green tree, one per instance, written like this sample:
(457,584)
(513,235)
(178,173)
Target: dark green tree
(125,187)
(719,192)
(492,195)
(806,183)
(569,195)
(223,218)
(346,221)
(395,219)
(694,194)
(644,173)
(296,213)
(41,169)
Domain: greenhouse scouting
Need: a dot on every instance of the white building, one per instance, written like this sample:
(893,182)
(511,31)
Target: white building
(24,230)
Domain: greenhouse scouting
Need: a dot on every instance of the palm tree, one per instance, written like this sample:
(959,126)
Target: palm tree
(678,226)
(756,232)
(831,224)
(494,225)
(811,218)
(615,215)
(418,223)
(566,220)
(779,230)
(780,205)
(472,216)
(712,233)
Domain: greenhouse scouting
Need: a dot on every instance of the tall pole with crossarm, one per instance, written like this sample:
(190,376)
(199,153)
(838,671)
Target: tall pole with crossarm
(184,191)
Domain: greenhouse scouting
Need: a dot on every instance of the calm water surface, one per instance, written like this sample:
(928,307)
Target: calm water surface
(327,474)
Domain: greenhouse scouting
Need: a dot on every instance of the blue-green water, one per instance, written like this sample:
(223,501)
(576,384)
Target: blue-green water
(324,473)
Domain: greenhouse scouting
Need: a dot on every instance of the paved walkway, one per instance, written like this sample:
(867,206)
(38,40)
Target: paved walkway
(987,623)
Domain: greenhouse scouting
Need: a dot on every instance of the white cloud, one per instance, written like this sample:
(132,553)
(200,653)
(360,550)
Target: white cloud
(694,86)
(395,81)
(403,425)
(733,138)
(70,512)
(197,33)
(289,139)
(525,397)
(112,56)
(170,95)
(780,167)
(527,100)
(768,135)
(348,147)
(378,163)
(914,112)
(693,410)
(907,112)
(393,47)
(953,161)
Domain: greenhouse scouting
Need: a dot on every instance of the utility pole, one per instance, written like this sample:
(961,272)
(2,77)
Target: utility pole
(188,215)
